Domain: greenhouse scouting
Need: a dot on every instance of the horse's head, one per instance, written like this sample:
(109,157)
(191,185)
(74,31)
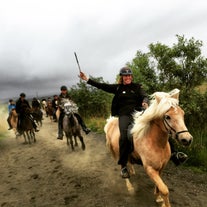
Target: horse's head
(174,123)
(173,118)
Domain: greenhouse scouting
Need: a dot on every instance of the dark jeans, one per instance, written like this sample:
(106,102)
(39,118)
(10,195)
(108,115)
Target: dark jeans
(124,144)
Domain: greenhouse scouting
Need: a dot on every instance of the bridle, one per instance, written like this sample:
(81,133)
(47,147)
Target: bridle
(170,129)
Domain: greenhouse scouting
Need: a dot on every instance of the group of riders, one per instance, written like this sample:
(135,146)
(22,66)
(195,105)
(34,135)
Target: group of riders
(128,98)
(24,109)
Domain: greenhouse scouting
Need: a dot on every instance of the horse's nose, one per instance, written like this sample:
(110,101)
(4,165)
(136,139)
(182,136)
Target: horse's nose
(186,141)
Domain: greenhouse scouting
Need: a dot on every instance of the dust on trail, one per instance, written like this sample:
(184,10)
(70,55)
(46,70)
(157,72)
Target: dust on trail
(49,174)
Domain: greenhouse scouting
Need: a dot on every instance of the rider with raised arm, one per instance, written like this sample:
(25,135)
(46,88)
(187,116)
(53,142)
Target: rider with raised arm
(128,98)
(62,99)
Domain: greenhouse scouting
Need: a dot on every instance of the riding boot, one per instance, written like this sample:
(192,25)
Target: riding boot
(124,172)
(60,126)
(81,122)
(19,130)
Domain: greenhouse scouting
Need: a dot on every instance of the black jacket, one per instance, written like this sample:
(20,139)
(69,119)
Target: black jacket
(127,98)
(21,106)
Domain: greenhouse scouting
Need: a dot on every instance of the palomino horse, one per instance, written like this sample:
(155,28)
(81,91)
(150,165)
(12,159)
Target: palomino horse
(71,127)
(14,120)
(150,138)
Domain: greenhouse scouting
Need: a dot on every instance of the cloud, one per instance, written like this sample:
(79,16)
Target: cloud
(38,38)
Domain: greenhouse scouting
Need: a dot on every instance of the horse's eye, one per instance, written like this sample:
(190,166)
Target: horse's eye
(167,117)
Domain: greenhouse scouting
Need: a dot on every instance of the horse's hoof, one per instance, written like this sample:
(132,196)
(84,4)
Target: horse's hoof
(83,147)
(159,199)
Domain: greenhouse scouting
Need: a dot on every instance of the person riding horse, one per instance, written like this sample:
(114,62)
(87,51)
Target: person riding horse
(62,99)
(11,106)
(23,109)
(128,98)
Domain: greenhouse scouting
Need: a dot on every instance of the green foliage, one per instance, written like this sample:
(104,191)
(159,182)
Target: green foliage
(91,101)
(181,66)
(163,68)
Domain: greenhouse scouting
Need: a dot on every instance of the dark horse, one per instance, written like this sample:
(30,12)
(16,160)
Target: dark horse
(71,127)
(26,127)
(37,115)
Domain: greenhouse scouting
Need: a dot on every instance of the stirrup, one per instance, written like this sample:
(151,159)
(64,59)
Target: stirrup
(125,173)
(87,130)
(179,158)
(182,157)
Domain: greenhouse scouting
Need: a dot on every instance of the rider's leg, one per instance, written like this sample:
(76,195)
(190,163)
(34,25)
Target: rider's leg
(60,126)
(124,145)
(33,122)
(81,122)
(9,122)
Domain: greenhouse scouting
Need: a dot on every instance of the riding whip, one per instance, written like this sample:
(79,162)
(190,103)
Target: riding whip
(77,62)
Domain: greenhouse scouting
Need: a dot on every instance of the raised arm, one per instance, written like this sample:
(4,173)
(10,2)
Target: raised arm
(83,76)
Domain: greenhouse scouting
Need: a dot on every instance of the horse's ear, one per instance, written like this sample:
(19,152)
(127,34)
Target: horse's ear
(157,97)
(174,93)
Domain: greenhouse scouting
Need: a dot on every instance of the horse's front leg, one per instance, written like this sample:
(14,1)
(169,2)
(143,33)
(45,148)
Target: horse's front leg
(25,138)
(76,143)
(82,142)
(71,142)
(129,186)
(28,137)
(161,190)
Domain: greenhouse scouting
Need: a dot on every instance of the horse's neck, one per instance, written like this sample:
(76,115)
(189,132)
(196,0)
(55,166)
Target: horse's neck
(72,119)
(159,134)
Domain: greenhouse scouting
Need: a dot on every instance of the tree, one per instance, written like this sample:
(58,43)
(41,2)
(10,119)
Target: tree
(181,66)
(163,68)
(91,101)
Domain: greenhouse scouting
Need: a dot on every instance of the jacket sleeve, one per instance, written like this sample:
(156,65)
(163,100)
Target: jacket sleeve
(143,94)
(110,88)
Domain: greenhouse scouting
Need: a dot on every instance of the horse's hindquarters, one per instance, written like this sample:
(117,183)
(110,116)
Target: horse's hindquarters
(112,136)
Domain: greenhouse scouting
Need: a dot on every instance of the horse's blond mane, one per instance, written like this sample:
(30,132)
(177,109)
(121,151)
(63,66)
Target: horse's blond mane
(159,105)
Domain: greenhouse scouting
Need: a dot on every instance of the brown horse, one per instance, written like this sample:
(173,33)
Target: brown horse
(37,115)
(150,139)
(27,129)
(49,110)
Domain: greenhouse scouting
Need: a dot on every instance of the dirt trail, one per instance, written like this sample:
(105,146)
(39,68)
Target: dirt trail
(49,174)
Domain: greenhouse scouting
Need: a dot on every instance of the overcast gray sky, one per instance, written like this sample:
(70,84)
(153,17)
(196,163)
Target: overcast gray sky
(38,38)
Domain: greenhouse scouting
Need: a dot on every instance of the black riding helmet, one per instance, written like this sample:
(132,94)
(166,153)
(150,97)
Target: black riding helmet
(125,71)
(63,88)
(22,95)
